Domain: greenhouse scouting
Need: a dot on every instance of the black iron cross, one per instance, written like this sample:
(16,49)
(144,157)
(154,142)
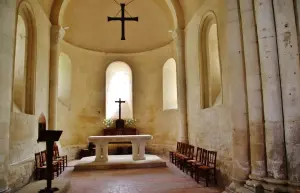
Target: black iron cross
(119,101)
(123,19)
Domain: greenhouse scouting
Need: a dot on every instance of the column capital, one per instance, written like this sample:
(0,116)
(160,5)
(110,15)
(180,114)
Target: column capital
(177,33)
(57,34)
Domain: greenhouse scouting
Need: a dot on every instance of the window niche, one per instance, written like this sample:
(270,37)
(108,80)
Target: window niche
(118,85)
(169,85)
(25,61)
(210,70)
(64,79)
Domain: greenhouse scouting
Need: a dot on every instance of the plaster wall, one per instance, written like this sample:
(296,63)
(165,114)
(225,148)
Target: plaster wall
(23,128)
(209,128)
(84,117)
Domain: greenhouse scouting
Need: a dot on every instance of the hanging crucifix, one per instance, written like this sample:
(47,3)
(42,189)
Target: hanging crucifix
(120,123)
(123,19)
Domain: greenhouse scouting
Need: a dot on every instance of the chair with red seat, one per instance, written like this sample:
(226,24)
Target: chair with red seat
(40,168)
(209,169)
(172,153)
(56,166)
(57,157)
(196,161)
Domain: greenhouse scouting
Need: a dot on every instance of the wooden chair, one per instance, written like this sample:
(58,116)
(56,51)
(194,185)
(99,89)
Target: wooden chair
(209,169)
(195,162)
(187,154)
(57,157)
(181,151)
(40,168)
(56,166)
(172,153)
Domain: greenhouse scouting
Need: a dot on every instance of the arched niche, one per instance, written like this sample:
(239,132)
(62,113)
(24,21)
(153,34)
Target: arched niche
(25,61)
(170,85)
(64,79)
(210,68)
(119,85)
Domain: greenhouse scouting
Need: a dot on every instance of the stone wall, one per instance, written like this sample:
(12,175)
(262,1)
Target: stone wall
(209,128)
(24,127)
(86,112)
(20,174)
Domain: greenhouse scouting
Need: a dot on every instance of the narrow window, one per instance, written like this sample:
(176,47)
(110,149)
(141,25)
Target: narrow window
(210,71)
(169,85)
(118,85)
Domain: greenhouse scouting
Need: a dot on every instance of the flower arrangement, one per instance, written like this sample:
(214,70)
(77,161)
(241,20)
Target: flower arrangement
(108,122)
(130,122)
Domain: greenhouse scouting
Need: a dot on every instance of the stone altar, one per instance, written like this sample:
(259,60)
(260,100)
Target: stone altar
(138,145)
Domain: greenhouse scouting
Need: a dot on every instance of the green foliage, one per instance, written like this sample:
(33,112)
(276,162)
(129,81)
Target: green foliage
(108,122)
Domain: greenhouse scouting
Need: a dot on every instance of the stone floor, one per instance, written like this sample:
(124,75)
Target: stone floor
(157,180)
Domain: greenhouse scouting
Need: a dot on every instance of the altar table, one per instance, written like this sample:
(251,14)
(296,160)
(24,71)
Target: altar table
(138,145)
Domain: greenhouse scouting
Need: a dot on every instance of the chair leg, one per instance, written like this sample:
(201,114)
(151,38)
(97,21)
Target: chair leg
(215,177)
(206,178)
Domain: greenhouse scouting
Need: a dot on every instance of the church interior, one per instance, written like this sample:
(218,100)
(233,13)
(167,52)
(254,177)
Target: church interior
(216,75)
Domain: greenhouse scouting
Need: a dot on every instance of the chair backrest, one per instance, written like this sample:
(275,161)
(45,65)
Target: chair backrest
(182,148)
(198,153)
(190,152)
(37,157)
(203,157)
(55,151)
(185,149)
(212,159)
(43,157)
(178,146)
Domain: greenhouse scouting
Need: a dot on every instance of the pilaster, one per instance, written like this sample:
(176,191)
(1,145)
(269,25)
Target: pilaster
(288,52)
(57,34)
(7,46)
(240,137)
(253,78)
(179,37)
(274,132)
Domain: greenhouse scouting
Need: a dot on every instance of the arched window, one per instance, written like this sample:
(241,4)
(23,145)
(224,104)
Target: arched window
(211,84)
(64,79)
(118,85)
(169,85)
(24,66)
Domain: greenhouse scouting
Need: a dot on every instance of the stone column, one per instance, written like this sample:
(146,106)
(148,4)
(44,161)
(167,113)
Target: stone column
(290,83)
(297,7)
(240,137)
(7,47)
(179,37)
(57,33)
(274,132)
(255,106)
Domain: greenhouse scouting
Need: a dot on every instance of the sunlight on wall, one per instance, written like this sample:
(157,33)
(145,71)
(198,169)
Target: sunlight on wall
(20,66)
(169,85)
(118,85)
(64,78)
(214,65)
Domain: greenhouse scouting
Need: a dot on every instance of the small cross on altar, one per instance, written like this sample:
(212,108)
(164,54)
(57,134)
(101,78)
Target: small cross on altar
(120,102)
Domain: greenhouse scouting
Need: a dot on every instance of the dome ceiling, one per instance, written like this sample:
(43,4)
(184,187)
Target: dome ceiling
(89,28)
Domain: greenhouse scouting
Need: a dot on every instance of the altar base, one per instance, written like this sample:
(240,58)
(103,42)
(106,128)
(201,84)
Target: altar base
(119,162)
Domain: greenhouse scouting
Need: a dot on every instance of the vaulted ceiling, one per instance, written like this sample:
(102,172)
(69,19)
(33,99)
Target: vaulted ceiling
(89,29)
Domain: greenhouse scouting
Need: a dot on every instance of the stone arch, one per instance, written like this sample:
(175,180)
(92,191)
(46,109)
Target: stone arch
(170,85)
(59,6)
(119,85)
(210,67)
(26,13)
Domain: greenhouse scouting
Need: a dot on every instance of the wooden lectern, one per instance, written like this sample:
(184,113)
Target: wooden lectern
(48,136)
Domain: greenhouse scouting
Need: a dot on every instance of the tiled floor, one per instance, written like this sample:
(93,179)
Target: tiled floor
(158,180)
